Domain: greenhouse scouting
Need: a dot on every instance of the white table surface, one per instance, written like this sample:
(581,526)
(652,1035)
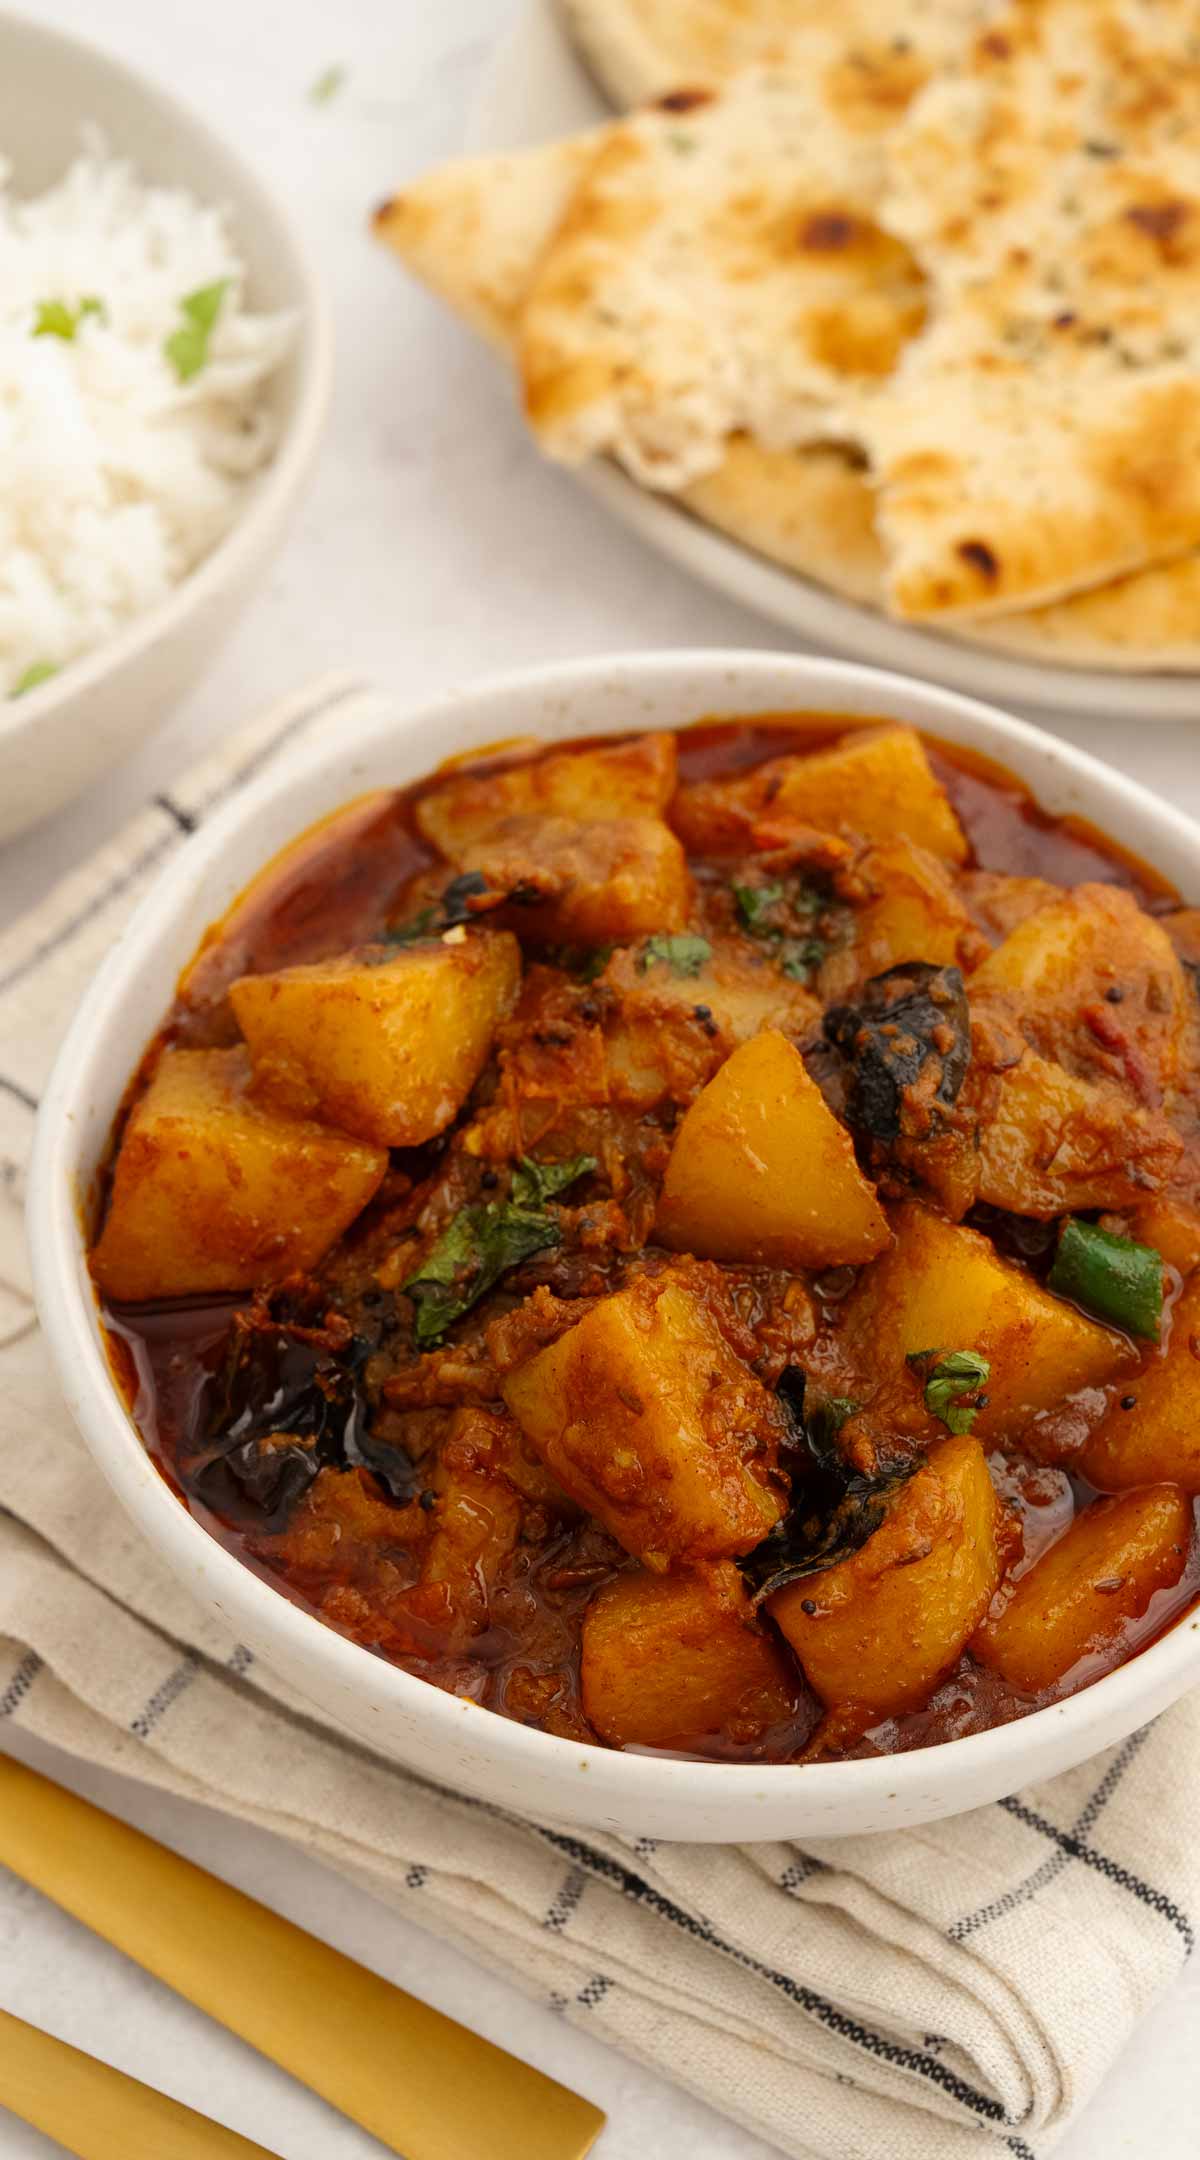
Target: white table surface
(433,546)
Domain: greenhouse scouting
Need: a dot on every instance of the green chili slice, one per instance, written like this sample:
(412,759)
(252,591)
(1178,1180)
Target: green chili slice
(1110,1276)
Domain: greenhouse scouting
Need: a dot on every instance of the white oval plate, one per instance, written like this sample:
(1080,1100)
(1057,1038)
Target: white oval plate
(535,89)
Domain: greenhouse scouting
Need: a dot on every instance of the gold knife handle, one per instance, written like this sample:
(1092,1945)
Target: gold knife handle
(97,2112)
(423,2085)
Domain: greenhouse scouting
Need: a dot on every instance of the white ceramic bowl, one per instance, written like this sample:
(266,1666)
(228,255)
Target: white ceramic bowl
(402,1717)
(55,740)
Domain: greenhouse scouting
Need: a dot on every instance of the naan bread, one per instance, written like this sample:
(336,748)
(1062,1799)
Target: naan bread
(639,49)
(475,231)
(1043,436)
(813,512)
(719,269)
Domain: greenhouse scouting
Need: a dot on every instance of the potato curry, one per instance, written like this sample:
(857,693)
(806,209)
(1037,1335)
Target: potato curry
(689,1241)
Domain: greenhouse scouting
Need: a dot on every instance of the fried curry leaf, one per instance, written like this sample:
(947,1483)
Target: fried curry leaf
(481,1244)
(470,886)
(948,1376)
(445,914)
(835,1508)
(684,955)
(286,1401)
(275,1471)
(908,1019)
(534,1182)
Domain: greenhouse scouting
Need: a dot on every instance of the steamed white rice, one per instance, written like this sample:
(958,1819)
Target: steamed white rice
(116,477)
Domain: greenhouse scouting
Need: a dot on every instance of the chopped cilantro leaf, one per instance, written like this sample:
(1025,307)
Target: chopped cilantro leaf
(39,671)
(754,903)
(948,1376)
(327,84)
(481,1244)
(534,1182)
(56,319)
(799,956)
(683,955)
(187,347)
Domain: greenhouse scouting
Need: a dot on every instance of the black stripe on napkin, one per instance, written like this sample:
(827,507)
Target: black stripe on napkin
(1071,1845)
(18,1093)
(827,2013)
(185,822)
(175,1685)
(20,1684)
(1112,1871)
(565,1900)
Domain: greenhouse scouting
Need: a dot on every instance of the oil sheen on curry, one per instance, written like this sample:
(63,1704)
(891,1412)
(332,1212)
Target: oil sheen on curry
(689,1241)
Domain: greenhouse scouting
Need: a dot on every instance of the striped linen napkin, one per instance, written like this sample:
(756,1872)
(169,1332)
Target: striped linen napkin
(902,1995)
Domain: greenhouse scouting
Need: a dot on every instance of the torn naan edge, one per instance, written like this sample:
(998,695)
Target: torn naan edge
(474,232)
(640,49)
(812,511)
(719,269)
(1043,435)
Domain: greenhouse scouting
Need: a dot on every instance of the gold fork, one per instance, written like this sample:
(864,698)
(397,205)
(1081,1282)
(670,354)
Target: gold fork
(421,2084)
(97,2112)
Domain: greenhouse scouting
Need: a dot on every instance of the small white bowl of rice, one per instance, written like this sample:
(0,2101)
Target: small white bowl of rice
(165,363)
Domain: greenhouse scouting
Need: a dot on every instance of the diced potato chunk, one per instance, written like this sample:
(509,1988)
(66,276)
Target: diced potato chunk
(389,1052)
(1159,1438)
(761,1170)
(1098,986)
(628,779)
(1079,1598)
(1052,1144)
(876,781)
(603,882)
(670,1031)
(670,1660)
(216,1191)
(941,1286)
(647,1419)
(913,913)
(887,1622)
